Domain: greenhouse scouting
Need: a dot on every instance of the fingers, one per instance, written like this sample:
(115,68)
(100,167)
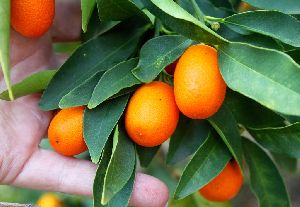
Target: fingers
(50,171)
(67,21)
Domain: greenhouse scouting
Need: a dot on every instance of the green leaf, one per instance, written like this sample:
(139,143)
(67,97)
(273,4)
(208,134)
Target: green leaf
(275,24)
(82,94)
(120,167)
(98,54)
(100,174)
(99,123)
(146,154)
(285,162)
(34,83)
(121,199)
(250,113)
(265,180)
(113,81)
(282,140)
(268,76)
(5,44)
(226,126)
(158,53)
(118,10)
(96,27)
(209,160)
(87,7)
(180,21)
(187,138)
(286,6)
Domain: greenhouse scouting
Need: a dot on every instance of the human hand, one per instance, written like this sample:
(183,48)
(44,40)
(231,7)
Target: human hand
(22,125)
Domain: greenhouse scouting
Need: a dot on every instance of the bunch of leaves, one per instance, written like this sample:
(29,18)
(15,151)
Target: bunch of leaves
(127,43)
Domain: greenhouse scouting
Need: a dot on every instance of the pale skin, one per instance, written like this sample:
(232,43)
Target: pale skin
(23,124)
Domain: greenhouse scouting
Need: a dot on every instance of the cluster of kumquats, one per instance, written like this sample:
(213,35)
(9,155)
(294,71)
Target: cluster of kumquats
(153,110)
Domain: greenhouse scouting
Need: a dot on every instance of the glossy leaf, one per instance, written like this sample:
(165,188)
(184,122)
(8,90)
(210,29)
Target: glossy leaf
(187,138)
(34,83)
(118,10)
(208,161)
(98,54)
(87,7)
(282,140)
(100,174)
(96,27)
(99,123)
(158,53)
(82,94)
(5,44)
(121,165)
(286,6)
(250,113)
(268,76)
(180,21)
(226,126)
(113,81)
(146,154)
(275,24)
(265,180)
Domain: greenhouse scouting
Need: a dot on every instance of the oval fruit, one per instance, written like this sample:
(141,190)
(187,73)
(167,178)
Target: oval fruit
(198,85)
(65,132)
(152,115)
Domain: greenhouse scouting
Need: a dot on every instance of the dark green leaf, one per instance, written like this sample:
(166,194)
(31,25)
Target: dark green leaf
(286,162)
(268,76)
(250,113)
(118,10)
(96,27)
(157,53)
(5,44)
(286,6)
(99,123)
(180,21)
(82,94)
(275,24)
(113,81)
(146,154)
(265,180)
(87,8)
(98,54)
(121,199)
(121,165)
(187,138)
(226,126)
(253,39)
(100,174)
(34,83)
(282,140)
(209,160)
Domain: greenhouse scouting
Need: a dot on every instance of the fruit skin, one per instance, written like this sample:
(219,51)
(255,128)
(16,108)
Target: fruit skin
(152,115)
(198,85)
(226,185)
(49,200)
(32,18)
(65,132)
